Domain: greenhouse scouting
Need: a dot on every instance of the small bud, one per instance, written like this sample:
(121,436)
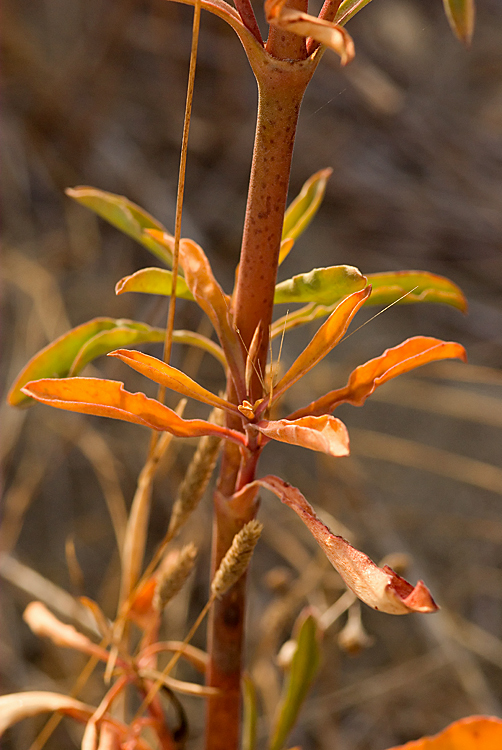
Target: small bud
(286,653)
(353,638)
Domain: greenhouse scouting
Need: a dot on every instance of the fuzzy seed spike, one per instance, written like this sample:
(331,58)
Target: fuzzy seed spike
(236,561)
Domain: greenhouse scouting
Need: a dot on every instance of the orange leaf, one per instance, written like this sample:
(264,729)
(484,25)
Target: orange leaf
(324,340)
(108,398)
(164,374)
(325,434)
(302,24)
(412,353)
(211,298)
(472,733)
(380,588)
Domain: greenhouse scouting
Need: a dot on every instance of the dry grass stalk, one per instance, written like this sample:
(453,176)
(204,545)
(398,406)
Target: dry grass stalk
(171,580)
(236,561)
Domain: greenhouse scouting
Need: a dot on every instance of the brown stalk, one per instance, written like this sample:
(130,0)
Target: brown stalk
(282,78)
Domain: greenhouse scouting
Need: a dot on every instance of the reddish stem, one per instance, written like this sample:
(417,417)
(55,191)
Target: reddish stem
(281,84)
(246,12)
(280,96)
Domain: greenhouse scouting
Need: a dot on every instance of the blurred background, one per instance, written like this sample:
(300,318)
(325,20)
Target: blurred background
(93,93)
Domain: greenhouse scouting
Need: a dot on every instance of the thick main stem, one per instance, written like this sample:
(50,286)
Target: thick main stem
(278,109)
(281,85)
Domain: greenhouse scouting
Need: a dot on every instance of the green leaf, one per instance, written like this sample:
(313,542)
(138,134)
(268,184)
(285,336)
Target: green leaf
(418,286)
(324,286)
(303,669)
(56,359)
(125,215)
(106,341)
(348,9)
(387,288)
(139,333)
(461,14)
(302,210)
(69,354)
(153,281)
(250,714)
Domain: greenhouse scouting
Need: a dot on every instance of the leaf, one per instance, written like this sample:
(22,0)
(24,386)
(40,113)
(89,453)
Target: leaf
(169,376)
(324,434)
(324,340)
(249,714)
(14,708)
(125,215)
(56,359)
(348,9)
(379,588)
(461,15)
(126,333)
(215,303)
(46,625)
(303,208)
(471,733)
(324,32)
(153,281)
(412,353)
(302,671)
(108,398)
(324,286)
(387,288)
(108,341)
(69,354)
(419,286)
(286,247)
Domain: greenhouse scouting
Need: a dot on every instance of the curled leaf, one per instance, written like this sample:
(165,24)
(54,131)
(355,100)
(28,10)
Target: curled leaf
(379,588)
(305,25)
(108,398)
(169,376)
(331,35)
(412,353)
(461,16)
(324,340)
(14,708)
(153,281)
(125,215)
(325,286)
(471,733)
(44,624)
(324,434)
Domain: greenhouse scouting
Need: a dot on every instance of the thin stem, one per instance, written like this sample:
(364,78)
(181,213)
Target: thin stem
(246,12)
(181,185)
